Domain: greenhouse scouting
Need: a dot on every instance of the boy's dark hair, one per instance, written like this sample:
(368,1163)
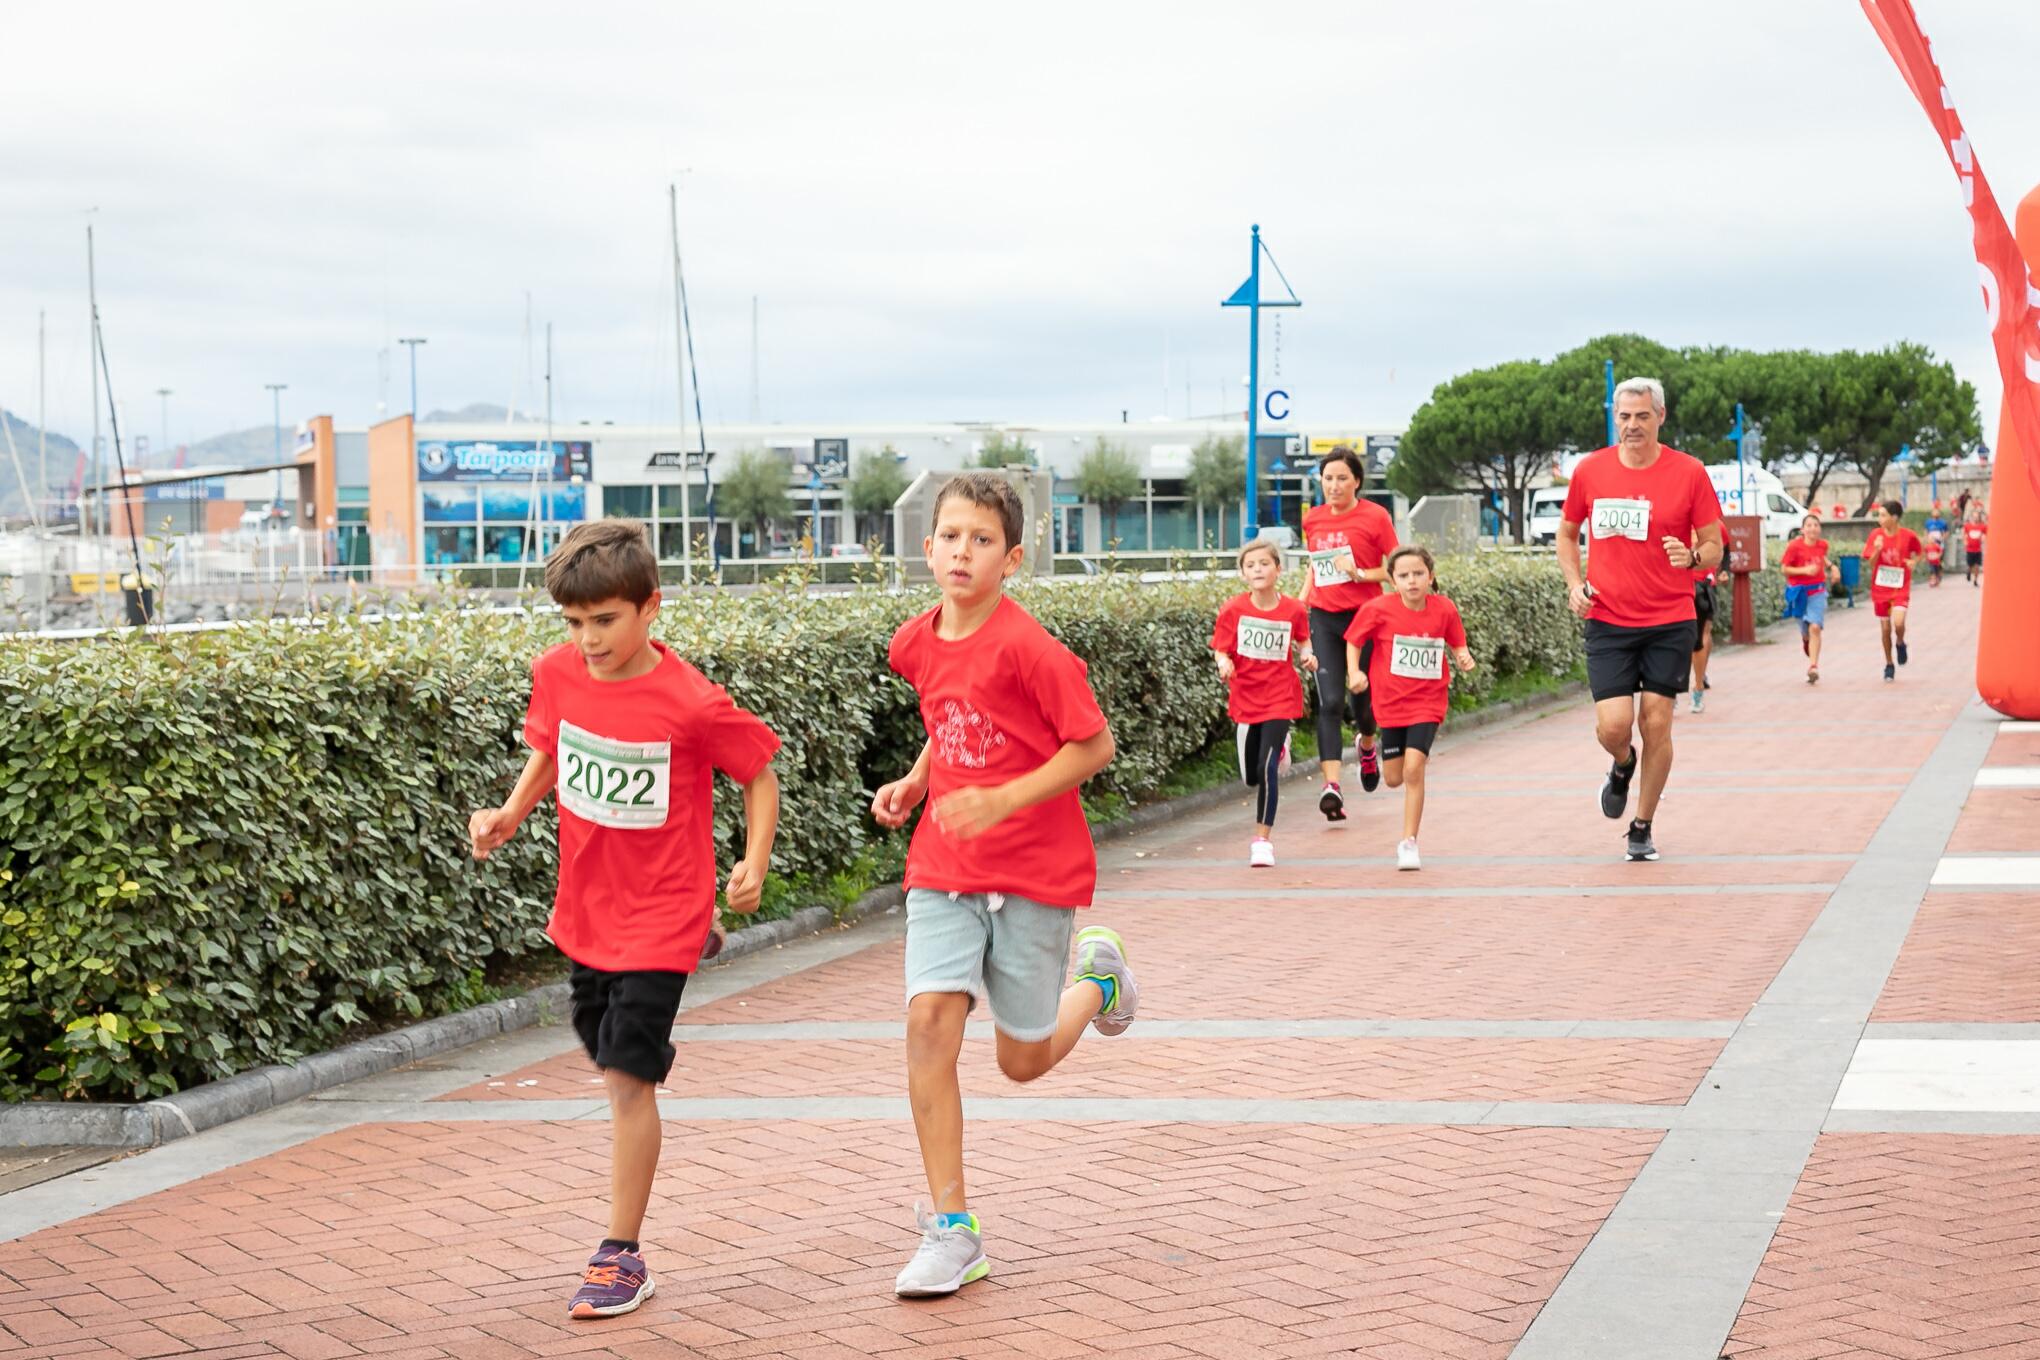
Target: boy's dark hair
(1897,510)
(1412,550)
(605,559)
(990,491)
(1344,454)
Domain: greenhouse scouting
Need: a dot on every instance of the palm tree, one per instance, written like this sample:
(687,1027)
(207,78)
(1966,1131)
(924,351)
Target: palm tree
(1108,477)
(1218,474)
(753,492)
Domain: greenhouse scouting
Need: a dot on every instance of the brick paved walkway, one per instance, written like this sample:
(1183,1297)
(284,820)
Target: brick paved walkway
(1768,1097)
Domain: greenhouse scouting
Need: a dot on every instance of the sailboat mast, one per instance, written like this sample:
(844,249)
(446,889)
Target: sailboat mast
(680,371)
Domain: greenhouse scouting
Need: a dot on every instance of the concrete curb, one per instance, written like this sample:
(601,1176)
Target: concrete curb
(150,1123)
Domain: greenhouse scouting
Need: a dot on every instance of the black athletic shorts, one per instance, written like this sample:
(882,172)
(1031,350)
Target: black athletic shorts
(1415,737)
(1624,661)
(1703,612)
(625,1020)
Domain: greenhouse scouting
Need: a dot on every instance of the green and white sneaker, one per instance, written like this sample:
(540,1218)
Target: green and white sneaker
(950,1256)
(1101,956)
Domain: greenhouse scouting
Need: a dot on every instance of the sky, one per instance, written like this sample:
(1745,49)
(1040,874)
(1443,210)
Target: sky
(950,212)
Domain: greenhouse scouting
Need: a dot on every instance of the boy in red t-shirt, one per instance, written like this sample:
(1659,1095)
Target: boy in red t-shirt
(1411,631)
(1253,642)
(632,735)
(1973,530)
(1003,856)
(1890,555)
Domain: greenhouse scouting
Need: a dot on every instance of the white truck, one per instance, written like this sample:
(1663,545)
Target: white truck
(1751,490)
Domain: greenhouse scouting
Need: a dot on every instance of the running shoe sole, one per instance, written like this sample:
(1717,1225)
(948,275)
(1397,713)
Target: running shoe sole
(589,1310)
(976,1270)
(1333,805)
(1091,940)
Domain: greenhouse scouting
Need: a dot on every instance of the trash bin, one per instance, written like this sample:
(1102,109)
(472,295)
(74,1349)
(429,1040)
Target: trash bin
(140,594)
(1852,576)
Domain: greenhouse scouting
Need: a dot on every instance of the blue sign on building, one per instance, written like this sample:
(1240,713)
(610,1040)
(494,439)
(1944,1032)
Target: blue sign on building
(503,460)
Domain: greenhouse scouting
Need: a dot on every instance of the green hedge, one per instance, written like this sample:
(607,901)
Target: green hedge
(226,849)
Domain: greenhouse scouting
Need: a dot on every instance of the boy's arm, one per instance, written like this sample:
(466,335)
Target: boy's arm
(970,812)
(761,825)
(493,826)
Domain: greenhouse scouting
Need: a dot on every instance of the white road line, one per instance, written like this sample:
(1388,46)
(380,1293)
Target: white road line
(1970,1075)
(1994,871)
(2008,777)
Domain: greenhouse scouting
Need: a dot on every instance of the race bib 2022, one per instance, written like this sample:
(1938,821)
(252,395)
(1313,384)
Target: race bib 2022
(623,784)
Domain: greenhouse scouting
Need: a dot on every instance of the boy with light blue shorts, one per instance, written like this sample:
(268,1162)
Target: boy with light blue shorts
(998,867)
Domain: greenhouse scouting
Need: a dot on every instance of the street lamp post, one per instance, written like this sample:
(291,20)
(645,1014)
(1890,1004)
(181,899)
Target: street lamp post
(276,399)
(164,393)
(411,343)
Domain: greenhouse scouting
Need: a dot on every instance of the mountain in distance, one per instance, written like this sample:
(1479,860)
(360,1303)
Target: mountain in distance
(474,413)
(62,453)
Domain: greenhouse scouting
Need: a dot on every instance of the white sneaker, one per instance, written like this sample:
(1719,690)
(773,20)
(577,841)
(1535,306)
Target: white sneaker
(1261,854)
(1406,854)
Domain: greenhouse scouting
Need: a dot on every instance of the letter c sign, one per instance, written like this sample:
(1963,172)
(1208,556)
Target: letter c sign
(1268,404)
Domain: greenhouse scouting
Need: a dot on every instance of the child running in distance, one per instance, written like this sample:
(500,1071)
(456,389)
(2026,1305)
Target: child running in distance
(1411,631)
(1806,566)
(1253,642)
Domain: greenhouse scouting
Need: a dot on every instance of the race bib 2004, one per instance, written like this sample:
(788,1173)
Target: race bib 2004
(1325,569)
(1614,517)
(624,784)
(1417,658)
(1888,578)
(1264,639)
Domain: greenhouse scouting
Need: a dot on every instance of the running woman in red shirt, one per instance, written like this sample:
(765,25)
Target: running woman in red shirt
(1252,642)
(1653,519)
(1002,859)
(1348,539)
(1411,631)
(631,735)
(1889,557)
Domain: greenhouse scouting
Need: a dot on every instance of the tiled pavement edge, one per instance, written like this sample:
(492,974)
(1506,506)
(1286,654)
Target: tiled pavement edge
(1364,1114)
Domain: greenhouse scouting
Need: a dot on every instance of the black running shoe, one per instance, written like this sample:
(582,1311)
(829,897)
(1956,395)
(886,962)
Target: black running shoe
(1890,672)
(1901,653)
(1640,846)
(1615,789)
(1370,768)
(1332,803)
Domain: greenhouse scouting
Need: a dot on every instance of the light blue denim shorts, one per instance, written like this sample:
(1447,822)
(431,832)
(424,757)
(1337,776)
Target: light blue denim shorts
(1014,955)
(1816,611)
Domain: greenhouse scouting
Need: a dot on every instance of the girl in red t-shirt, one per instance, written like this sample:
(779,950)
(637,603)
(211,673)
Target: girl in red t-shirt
(1411,631)
(1255,642)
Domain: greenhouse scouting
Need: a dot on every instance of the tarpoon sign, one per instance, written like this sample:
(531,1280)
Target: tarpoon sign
(503,460)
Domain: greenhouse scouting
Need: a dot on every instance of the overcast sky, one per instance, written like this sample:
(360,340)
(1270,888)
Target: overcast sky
(969,212)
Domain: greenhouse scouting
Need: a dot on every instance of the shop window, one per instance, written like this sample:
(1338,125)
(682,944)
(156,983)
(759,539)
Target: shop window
(449,546)
(627,502)
(449,504)
(502,544)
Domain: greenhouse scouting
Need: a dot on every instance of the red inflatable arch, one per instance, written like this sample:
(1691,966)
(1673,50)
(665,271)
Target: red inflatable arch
(2008,643)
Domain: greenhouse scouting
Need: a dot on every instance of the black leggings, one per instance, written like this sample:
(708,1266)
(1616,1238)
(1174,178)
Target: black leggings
(1334,701)
(1261,764)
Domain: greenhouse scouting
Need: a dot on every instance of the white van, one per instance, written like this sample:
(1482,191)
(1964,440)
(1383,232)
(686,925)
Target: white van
(1546,510)
(1751,490)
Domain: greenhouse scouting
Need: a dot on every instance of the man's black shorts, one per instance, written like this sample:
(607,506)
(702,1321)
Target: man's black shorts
(1623,661)
(1415,737)
(625,1020)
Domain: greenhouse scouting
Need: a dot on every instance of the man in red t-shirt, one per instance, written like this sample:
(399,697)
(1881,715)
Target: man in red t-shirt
(1652,519)
(1888,557)
(631,735)
(1003,857)
(1973,530)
